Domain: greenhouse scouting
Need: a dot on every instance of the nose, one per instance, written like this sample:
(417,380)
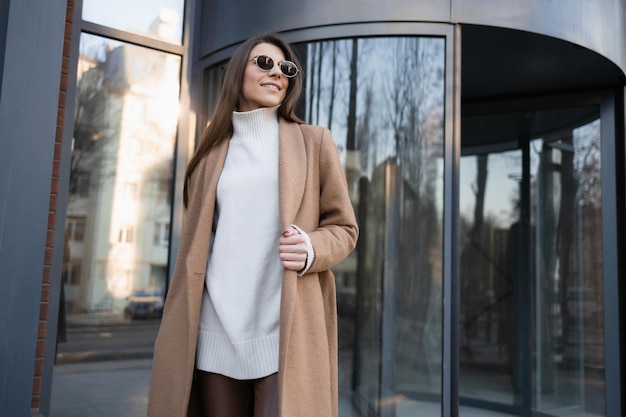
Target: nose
(275,71)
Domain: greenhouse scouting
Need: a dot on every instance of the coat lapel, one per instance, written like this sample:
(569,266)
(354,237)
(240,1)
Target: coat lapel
(291,171)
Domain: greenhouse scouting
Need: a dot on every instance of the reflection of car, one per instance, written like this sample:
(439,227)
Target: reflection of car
(144,303)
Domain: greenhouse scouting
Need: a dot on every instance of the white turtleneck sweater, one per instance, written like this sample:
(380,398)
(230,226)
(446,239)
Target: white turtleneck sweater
(238,330)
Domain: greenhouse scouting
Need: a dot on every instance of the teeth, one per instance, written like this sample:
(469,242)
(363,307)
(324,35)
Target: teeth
(273,87)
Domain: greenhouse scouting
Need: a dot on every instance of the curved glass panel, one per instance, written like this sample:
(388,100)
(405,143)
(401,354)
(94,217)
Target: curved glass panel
(160,19)
(531,320)
(383,99)
(566,215)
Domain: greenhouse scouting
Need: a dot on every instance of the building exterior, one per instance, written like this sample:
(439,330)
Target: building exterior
(483,144)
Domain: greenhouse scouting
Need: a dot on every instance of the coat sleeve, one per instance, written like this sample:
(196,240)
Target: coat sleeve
(337,233)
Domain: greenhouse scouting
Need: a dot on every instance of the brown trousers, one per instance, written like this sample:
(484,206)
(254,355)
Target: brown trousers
(222,396)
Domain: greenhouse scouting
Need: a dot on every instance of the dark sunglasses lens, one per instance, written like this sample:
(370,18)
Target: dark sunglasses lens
(265,62)
(288,68)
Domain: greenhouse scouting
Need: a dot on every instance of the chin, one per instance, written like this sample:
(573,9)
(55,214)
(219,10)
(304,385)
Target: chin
(272,103)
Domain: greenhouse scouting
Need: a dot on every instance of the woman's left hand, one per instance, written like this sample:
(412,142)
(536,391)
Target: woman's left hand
(292,250)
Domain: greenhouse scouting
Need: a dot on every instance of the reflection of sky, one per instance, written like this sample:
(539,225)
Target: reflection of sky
(390,70)
(505,172)
(501,190)
(130,15)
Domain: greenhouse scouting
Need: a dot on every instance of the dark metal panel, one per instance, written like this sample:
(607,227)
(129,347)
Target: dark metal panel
(610,254)
(132,38)
(508,62)
(58,249)
(226,22)
(33,49)
(599,25)
(451,286)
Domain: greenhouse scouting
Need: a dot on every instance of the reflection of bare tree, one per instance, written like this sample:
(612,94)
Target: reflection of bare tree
(587,174)
(350,139)
(383,98)
(365,135)
(320,57)
(89,127)
(479,191)
(588,165)
(414,99)
(566,230)
(333,84)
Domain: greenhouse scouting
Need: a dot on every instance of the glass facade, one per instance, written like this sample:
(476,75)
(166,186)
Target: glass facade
(531,312)
(119,202)
(383,99)
(484,150)
(531,325)
(119,205)
(159,19)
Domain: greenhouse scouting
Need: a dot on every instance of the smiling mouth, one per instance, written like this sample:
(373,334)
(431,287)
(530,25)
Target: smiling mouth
(271,87)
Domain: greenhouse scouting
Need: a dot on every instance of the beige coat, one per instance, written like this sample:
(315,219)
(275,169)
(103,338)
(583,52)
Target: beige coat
(313,195)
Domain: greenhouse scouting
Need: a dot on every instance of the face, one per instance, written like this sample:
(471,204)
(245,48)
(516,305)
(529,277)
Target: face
(263,88)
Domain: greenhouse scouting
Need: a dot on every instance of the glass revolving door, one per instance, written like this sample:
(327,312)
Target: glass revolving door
(531,325)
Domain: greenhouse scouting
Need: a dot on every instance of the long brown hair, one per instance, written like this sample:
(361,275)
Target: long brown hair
(220,127)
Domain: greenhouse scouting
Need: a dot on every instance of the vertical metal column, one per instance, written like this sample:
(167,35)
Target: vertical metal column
(32,48)
(611,134)
(393,183)
(452,152)
(523,286)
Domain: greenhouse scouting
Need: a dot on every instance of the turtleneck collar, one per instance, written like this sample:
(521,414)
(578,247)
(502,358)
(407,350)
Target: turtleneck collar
(256,123)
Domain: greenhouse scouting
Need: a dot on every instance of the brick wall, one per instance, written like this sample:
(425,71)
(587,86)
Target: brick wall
(52,212)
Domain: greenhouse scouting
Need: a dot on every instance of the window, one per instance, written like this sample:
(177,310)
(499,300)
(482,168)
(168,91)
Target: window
(75,228)
(130,191)
(124,137)
(161,234)
(159,19)
(125,234)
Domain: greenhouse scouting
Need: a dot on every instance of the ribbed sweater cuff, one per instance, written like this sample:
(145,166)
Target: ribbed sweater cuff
(309,248)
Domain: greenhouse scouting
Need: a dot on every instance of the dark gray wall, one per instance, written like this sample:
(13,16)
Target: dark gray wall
(4,15)
(32,48)
(599,25)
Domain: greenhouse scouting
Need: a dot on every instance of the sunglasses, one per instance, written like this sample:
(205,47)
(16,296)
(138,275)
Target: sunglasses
(266,63)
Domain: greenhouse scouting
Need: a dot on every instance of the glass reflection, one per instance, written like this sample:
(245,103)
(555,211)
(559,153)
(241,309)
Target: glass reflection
(531,265)
(383,100)
(569,336)
(160,19)
(121,174)
(489,222)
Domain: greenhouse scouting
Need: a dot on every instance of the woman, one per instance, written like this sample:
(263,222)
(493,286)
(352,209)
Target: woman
(250,327)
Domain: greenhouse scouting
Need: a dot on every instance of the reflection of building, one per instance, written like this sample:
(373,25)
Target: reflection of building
(166,25)
(121,177)
(513,81)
